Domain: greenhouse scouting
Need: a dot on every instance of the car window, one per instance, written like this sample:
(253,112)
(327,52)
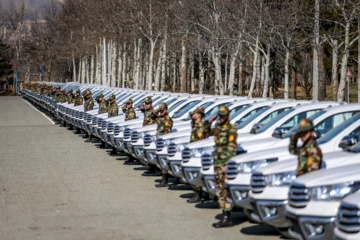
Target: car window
(296,119)
(241,124)
(155,104)
(234,115)
(170,101)
(332,133)
(184,109)
(273,121)
(272,115)
(251,113)
(176,105)
(215,109)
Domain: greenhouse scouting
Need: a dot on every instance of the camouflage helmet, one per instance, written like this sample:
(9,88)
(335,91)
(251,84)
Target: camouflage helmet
(70,90)
(100,95)
(112,96)
(163,106)
(129,101)
(305,125)
(223,111)
(88,92)
(148,100)
(200,110)
(63,90)
(78,90)
(58,87)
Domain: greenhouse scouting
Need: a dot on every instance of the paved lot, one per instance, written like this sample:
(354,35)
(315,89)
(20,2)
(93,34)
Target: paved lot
(55,186)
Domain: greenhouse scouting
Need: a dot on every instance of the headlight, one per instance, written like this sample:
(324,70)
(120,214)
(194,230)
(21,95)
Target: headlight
(196,152)
(331,192)
(180,147)
(280,179)
(249,167)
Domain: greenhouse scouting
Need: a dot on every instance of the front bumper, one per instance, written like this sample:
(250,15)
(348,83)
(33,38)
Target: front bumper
(192,175)
(270,212)
(310,227)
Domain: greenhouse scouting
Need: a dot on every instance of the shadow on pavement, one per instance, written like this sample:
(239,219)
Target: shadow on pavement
(260,230)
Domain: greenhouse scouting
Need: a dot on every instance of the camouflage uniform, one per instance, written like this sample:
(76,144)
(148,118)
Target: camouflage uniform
(225,148)
(103,105)
(147,113)
(78,100)
(89,103)
(131,83)
(164,124)
(309,155)
(113,110)
(63,97)
(129,112)
(70,96)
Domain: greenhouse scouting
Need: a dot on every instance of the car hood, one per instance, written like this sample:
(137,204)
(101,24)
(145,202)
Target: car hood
(178,134)
(279,167)
(181,140)
(209,142)
(263,143)
(331,176)
(280,153)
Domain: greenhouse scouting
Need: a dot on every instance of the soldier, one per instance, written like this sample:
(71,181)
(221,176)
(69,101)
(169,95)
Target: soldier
(70,96)
(309,155)
(225,135)
(235,92)
(103,104)
(56,96)
(164,126)
(131,83)
(129,110)
(89,103)
(198,132)
(113,110)
(78,100)
(147,109)
(62,96)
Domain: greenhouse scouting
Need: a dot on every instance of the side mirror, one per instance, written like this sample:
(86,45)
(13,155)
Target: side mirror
(255,128)
(317,134)
(237,123)
(347,142)
(278,132)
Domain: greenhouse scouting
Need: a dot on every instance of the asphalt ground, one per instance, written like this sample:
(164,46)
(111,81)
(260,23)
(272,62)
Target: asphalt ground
(53,185)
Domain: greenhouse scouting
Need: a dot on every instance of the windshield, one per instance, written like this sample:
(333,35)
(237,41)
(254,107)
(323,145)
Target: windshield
(171,101)
(205,106)
(184,109)
(332,133)
(215,109)
(295,128)
(249,114)
(157,103)
(242,123)
(273,121)
(244,107)
(176,105)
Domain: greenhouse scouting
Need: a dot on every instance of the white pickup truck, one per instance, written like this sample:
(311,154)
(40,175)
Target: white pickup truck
(240,167)
(314,199)
(272,194)
(348,222)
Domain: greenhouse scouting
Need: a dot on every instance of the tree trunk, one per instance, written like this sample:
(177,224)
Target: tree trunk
(344,63)
(113,65)
(232,68)
(315,58)
(293,77)
(226,73)
(119,74)
(124,66)
(74,69)
(103,72)
(322,78)
(138,65)
(92,70)
(163,65)
(267,72)
(174,72)
(183,66)
(286,79)
(192,73)
(158,72)
(334,70)
(219,86)
(79,77)
(253,80)
(240,83)
(151,65)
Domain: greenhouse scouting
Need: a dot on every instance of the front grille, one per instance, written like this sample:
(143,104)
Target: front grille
(147,140)
(349,218)
(186,155)
(172,150)
(94,120)
(127,133)
(207,161)
(103,125)
(159,144)
(110,127)
(116,130)
(134,136)
(257,183)
(231,170)
(81,115)
(99,122)
(298,196)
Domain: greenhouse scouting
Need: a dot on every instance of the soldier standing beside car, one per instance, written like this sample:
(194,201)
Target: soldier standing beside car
(113,110)
(309,155)
(225,135)
(78,99)
(147,109)
(103,104)
(70,96)
(198,132)
(129,110)
(164,126)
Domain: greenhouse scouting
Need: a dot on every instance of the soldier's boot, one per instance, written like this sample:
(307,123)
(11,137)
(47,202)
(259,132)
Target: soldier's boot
(62,123)
(86,136)
(89,139)
(71,127)
(164,181)
(102,145)
(78,131)
(150,171)
(196,198)
(113,151)
(225,221)
(129,159)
